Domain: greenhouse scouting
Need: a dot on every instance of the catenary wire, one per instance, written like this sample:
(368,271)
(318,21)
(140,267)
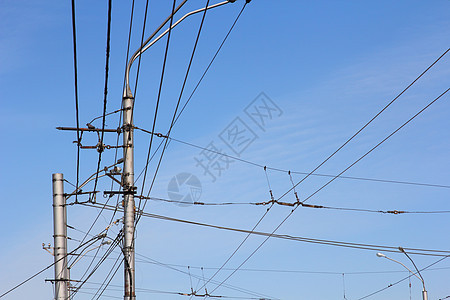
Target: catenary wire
(370,121)
(158,98)
(298,271)
(148,260)
(108,42)
(175,113)
(322,187)
(46,268)
(284,270)
(232,287)
(168,134)
(294,172)
(293,204)
(110,250)
(198,83)
(111,278)
(417,251)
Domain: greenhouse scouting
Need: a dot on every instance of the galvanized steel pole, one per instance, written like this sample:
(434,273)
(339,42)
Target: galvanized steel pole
(60,238)
(129,189)
(128,155)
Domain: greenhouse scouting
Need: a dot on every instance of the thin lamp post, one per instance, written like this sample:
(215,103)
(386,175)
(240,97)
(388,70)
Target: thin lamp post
(424,291)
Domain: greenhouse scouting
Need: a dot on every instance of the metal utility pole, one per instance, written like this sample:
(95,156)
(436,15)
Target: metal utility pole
(60,238)
(128,153)
(129,190)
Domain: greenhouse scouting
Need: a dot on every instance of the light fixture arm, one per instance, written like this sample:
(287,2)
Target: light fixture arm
(149,42)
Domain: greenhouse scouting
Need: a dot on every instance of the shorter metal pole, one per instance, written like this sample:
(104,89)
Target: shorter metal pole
(60,238)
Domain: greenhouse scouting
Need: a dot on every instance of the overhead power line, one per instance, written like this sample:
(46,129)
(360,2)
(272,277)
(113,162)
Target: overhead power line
(259,165)
(330,181)
(196,86)
(158,98)
(294,204)
(176,109)
(417,251)
(100,147)
(368,123)
(51,265)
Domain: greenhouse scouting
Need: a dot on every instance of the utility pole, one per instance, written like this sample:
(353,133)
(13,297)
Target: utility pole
(128,153)
(129,190)
(60,238)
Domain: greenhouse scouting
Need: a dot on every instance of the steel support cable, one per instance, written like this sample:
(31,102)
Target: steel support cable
(242,290)
(48,267)
(84,246)
(87,245)
(329,157)
(75,68)
(83,281)
(179,99)
(367,124)
(174,114)
(105,284)
(108,42)
(322,187)
(158,98)
(403,279)
(146,290)
(140,57)
(245,239)
(296,271)
(123,86)
(139,52)
(150,291)
(198,84)
(394,212)
(110,250)
(121,107)
(297,172)
(417,251)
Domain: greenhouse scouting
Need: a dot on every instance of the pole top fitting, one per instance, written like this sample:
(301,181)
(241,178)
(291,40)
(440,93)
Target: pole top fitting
(127,92)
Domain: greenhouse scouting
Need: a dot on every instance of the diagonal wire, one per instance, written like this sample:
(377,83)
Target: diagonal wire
(108,40)
(416,251)
(47,267)
(371,120)
(175,112)
(359,159)
(198,83)
(110,279)
(159,97)
(329,157)
(293,172)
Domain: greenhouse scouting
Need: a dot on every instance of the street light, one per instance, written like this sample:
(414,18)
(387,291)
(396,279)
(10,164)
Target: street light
(424,291)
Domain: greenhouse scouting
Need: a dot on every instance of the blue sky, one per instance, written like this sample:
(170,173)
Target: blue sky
(329,66)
